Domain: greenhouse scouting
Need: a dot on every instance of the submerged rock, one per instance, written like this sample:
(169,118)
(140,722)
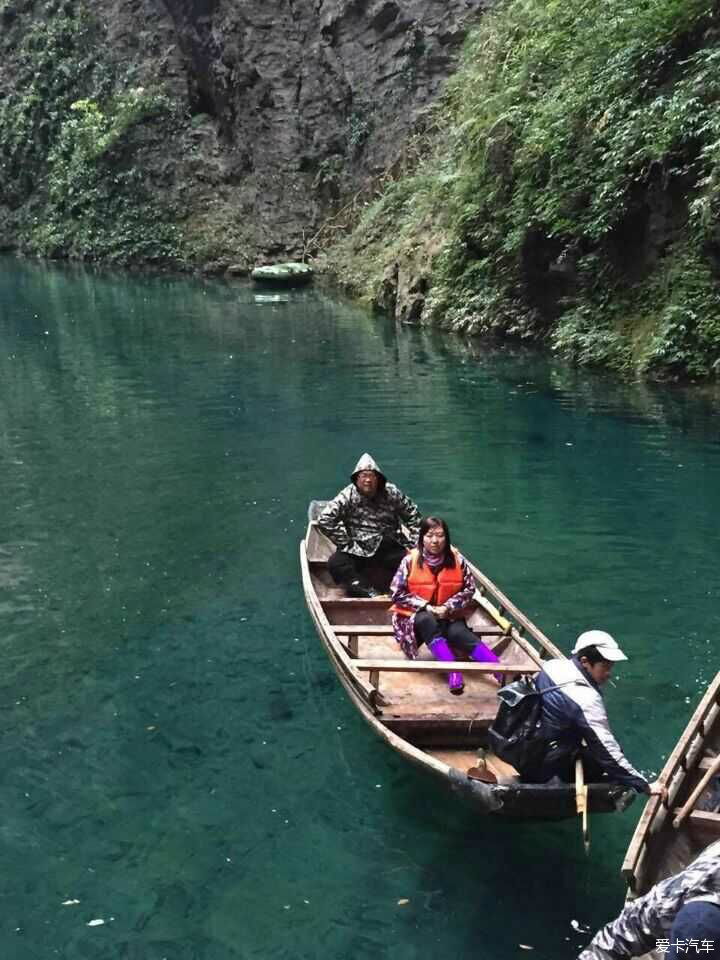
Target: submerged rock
(288,274)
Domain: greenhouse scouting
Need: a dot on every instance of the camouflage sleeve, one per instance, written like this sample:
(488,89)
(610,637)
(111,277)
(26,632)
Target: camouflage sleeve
(332,521)
(409,514)
(641,924)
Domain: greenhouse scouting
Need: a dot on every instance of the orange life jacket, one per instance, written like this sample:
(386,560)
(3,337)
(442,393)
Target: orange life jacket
(435,588)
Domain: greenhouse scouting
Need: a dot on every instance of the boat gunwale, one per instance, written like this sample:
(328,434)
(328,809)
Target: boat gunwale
(679,765)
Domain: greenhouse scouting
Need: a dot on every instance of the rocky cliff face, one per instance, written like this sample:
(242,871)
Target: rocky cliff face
(311,98)
(284,110)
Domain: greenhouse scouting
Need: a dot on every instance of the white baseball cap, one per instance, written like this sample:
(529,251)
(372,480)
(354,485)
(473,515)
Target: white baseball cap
(606,646)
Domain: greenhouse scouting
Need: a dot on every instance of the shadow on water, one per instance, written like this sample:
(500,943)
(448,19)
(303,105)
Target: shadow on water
(508,882)
(684,408)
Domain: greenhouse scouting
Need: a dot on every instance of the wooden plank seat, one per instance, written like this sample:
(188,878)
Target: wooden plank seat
(467,666)
(704,823)
(385,629)
(401,665)
(467,758)
(706,762)
(353,631)
(442,730)
(505,772)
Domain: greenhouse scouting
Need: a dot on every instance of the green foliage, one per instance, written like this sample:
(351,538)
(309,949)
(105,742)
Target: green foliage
(97,200)
(72,133)
(568,134)
(51,54)
(359,127)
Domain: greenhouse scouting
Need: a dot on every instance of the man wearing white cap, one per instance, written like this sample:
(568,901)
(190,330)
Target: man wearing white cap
(575,720)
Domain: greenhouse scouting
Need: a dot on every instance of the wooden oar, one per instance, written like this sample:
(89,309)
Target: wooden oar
(692,799)
(581,801)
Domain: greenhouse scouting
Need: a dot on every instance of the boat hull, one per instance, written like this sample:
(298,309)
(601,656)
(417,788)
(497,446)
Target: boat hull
(536,801)
(443,735)
(658,848)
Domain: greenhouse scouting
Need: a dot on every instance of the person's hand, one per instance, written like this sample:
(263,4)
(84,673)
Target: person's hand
(439,612)
(658,789)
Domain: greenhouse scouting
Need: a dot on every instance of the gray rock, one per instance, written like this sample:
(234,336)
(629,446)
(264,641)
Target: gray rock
(237,270)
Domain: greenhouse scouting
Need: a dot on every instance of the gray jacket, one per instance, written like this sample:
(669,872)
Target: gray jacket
(357,524)
(648,919)
(576,712)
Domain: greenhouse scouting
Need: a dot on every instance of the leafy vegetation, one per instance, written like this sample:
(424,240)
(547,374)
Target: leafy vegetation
(573,173)
(72,135)
(97,204)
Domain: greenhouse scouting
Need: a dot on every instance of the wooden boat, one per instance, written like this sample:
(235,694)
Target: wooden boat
(659,848)
(408,704)
(289,274)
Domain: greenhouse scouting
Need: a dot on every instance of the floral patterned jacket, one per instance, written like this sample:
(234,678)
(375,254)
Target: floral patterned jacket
(403,626)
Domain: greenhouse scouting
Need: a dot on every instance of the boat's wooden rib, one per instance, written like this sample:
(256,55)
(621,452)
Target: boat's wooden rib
(657,848)
(408,704)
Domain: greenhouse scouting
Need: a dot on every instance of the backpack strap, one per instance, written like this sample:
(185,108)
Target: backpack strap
(557,686)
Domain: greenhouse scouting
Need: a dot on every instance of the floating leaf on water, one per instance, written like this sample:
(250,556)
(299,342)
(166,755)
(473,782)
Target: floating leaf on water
(525,946)
(403,901)
(95,923)
(69,903)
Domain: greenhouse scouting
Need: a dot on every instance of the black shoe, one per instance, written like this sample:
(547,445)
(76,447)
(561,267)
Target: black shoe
(362,590)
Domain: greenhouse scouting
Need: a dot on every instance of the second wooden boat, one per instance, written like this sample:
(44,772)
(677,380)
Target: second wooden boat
(659,848)
(407,702)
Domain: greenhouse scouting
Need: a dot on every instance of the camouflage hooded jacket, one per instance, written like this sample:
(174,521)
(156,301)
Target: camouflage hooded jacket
(356,524)
(645,923)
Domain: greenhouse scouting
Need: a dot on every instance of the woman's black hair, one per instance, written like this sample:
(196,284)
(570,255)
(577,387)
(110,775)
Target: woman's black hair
(592,654)
(427,524)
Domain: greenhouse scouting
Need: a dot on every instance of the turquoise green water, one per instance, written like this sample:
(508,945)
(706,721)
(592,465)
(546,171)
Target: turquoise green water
(176,754)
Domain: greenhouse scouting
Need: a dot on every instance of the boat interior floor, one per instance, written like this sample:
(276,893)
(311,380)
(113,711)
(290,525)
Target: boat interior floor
(414,703)
(417,695)
(428,693)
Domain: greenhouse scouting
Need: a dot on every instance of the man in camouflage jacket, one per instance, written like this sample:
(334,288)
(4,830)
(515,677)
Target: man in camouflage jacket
(364,522)
(678,917)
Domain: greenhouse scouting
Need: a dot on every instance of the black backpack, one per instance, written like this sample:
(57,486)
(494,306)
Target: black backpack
(516,735)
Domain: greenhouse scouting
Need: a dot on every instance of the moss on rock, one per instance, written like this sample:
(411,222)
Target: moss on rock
(574,176)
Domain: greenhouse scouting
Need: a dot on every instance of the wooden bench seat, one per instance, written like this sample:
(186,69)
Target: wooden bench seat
(401,665)
(383,629)
(505,772)
(355,631)
(411,666)
(703,823)
(706,762)
(441,731)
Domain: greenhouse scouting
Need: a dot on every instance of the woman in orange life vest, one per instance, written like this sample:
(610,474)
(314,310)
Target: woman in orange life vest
(430,591)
